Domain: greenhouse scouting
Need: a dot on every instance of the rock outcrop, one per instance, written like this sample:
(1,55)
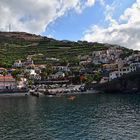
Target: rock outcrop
(129,83)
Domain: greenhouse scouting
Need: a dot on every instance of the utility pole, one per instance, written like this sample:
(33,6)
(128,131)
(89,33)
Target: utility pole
(9,27)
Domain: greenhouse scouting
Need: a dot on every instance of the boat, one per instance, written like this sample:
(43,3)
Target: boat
(34,93)
(71,98)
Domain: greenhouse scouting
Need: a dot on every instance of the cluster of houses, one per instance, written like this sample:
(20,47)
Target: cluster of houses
(107,62)
(111,64)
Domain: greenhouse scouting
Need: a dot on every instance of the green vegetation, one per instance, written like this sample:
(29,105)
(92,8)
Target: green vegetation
(16,74)
(17,47)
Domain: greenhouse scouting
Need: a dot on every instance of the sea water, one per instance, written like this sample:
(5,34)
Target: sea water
(87,117)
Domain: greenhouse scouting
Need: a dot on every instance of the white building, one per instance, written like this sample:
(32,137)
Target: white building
(35,77)
(61,68)
(28,62)
(31,71)
(57,75)
(114,51)
(120,62)
(22,83)
(113,75)
(126,70)
(137,64)
(97,53)
(121,71)
(18,64)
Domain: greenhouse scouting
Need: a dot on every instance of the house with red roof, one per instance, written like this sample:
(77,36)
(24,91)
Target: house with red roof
(7,83)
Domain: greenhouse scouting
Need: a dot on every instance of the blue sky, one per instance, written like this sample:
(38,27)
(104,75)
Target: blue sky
(72,25)
(104,21)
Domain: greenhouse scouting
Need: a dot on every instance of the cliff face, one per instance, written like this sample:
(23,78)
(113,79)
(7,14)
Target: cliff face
(127,84)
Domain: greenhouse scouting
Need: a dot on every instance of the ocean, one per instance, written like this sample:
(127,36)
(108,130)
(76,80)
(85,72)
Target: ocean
(87,117)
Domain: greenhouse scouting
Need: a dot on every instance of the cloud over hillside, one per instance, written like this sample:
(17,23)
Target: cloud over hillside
(125,31)
(35,15)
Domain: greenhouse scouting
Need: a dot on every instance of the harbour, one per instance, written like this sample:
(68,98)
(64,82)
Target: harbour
(92,116)
(69,70)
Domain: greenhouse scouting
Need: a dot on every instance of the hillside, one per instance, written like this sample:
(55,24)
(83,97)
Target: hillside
(18,45)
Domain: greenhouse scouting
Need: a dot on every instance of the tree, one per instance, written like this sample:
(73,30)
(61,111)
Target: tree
(90,78)
(15,74)
(64,61)
(44,73)
(97,76)
(4,73)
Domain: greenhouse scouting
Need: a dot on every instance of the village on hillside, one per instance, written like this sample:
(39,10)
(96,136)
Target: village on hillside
(97,68)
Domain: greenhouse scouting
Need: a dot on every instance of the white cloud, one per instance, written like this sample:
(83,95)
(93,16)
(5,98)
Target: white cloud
(109,10)
(90,2)
(35,15)
(125,32)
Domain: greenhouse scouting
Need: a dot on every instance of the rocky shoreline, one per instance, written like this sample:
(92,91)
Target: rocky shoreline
(129,83)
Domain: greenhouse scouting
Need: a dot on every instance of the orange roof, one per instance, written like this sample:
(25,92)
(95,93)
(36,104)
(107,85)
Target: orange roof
(2,69)
(6,78)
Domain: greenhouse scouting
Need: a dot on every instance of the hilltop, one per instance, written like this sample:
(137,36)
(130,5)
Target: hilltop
(18,45)
(20,35)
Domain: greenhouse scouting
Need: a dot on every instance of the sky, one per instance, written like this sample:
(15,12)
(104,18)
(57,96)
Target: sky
(104,21)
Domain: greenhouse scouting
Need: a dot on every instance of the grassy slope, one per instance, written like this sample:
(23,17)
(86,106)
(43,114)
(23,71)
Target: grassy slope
(21,45)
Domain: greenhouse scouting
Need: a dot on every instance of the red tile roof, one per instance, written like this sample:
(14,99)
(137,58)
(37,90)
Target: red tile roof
(7,79)
(2,69)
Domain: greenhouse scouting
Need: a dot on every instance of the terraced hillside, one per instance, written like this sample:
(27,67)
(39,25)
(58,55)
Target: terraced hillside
(18,45)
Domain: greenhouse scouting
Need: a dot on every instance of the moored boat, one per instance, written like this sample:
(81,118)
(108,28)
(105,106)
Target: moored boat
(33,93)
